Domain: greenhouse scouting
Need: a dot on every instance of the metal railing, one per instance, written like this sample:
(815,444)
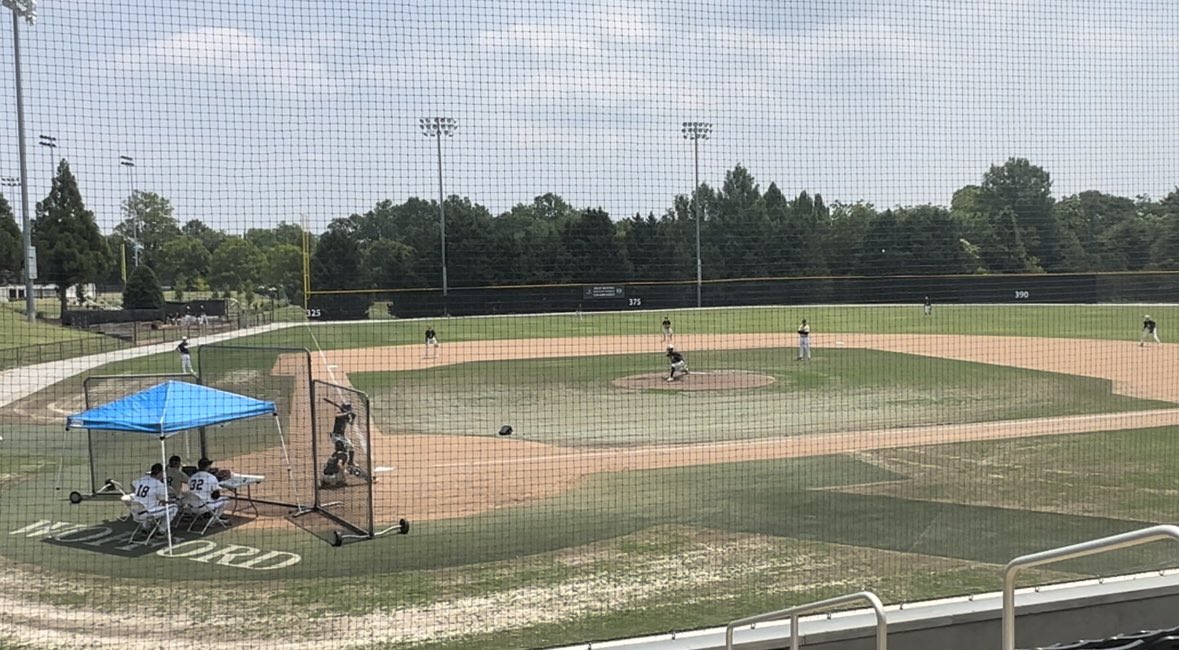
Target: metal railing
(1083,549)
(27,355)
(794,612)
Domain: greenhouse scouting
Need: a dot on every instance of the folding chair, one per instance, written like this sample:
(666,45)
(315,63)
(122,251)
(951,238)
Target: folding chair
(144,521)
(211,511)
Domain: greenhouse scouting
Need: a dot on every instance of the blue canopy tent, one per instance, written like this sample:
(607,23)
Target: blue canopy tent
(173,407)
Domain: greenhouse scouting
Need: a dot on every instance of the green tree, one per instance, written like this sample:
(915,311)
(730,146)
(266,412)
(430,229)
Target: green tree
(1025,191)
(740,228)
(470,253)
(933,241)
(843,236)
(336,266)
(594,251)
(70,248)
(10,244)
(282,233)
(388,264)
(143,290)
(993,240)
(184,257)
(210,237)
(148,221)
(284,271)
(236,265)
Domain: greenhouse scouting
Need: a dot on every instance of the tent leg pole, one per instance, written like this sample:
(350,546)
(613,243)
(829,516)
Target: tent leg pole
(167,506)
(287,458)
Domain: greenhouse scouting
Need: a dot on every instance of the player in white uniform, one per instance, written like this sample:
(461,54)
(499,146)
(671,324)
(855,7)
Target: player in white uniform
(804,341)
(431,342)
(1150,329)
(206,486)
(151,493)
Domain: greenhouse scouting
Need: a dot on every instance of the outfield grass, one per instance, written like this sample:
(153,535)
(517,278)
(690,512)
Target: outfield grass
(16,332)
(1065,321)
(571,401)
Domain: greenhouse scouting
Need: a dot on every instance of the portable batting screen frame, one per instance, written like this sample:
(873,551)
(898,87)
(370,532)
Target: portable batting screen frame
(228,367)
(341,504)
(123,385)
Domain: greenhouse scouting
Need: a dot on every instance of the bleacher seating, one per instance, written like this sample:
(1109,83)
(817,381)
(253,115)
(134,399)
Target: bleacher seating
(1145,640)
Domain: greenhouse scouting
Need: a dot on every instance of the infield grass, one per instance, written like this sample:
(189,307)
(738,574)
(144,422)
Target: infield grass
(572,402)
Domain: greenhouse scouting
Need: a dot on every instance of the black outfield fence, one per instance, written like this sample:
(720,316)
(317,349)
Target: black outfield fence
(962,289)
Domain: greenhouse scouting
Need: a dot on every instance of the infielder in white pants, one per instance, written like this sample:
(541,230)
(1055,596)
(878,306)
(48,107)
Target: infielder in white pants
(1150,329)
(804,341)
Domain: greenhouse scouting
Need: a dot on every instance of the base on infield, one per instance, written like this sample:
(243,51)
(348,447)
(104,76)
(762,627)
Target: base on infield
(702,380)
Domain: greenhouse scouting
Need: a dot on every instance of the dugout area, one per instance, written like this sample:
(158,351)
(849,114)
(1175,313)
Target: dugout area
(292,463)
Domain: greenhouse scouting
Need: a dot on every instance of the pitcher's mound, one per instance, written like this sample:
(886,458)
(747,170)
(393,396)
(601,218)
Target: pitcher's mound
(704,380)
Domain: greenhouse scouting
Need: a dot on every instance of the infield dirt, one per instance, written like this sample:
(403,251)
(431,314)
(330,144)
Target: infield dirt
(441,476)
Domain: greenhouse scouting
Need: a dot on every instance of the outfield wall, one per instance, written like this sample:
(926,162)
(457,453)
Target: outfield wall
(975,289)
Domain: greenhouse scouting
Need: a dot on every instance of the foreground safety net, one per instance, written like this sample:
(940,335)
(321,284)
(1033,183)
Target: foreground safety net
(972,205)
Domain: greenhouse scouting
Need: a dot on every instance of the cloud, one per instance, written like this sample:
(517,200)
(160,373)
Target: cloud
(233,54)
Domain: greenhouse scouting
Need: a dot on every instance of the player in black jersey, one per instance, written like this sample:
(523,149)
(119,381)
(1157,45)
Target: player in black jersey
(344,453)
(1150,329)
(667,333)
(185,357)
(928,306)
(677,361)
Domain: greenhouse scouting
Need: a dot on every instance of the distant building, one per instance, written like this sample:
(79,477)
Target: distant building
(16,292)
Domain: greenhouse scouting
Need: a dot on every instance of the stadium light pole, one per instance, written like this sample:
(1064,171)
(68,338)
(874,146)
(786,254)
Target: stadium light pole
(697,131)
(50,143)
(129,163)
(27,10)
(436,127)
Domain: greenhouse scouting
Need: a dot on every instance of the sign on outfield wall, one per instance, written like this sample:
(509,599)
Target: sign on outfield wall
(603,291)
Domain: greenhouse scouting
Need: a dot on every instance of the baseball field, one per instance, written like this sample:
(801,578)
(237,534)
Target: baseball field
(912,456)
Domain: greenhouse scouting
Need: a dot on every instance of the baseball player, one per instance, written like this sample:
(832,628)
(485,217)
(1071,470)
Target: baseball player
(1150,329)
(928,306)
(431,342)
(677,361)
(151,493)
(185,357)
(804,341)
(205,485)
(344,452)
(667,333)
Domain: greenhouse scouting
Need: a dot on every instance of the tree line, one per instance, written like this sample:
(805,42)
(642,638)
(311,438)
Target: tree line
(1008,222)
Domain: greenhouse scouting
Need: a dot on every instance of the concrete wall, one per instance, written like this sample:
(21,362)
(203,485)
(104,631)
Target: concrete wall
(1089,610)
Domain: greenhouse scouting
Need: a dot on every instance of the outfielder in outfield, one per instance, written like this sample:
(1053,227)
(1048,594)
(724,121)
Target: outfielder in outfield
(1150,329)
(678,363)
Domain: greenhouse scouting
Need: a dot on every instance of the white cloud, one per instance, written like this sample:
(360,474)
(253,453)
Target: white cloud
(235,54)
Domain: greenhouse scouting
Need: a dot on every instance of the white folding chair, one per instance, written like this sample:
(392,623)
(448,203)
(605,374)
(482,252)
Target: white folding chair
(144,520)
(208,510)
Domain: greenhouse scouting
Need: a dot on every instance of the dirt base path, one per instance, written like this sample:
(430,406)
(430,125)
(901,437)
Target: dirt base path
(439,476)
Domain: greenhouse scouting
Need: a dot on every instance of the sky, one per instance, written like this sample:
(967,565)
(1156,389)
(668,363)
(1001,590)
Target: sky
(247,114)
